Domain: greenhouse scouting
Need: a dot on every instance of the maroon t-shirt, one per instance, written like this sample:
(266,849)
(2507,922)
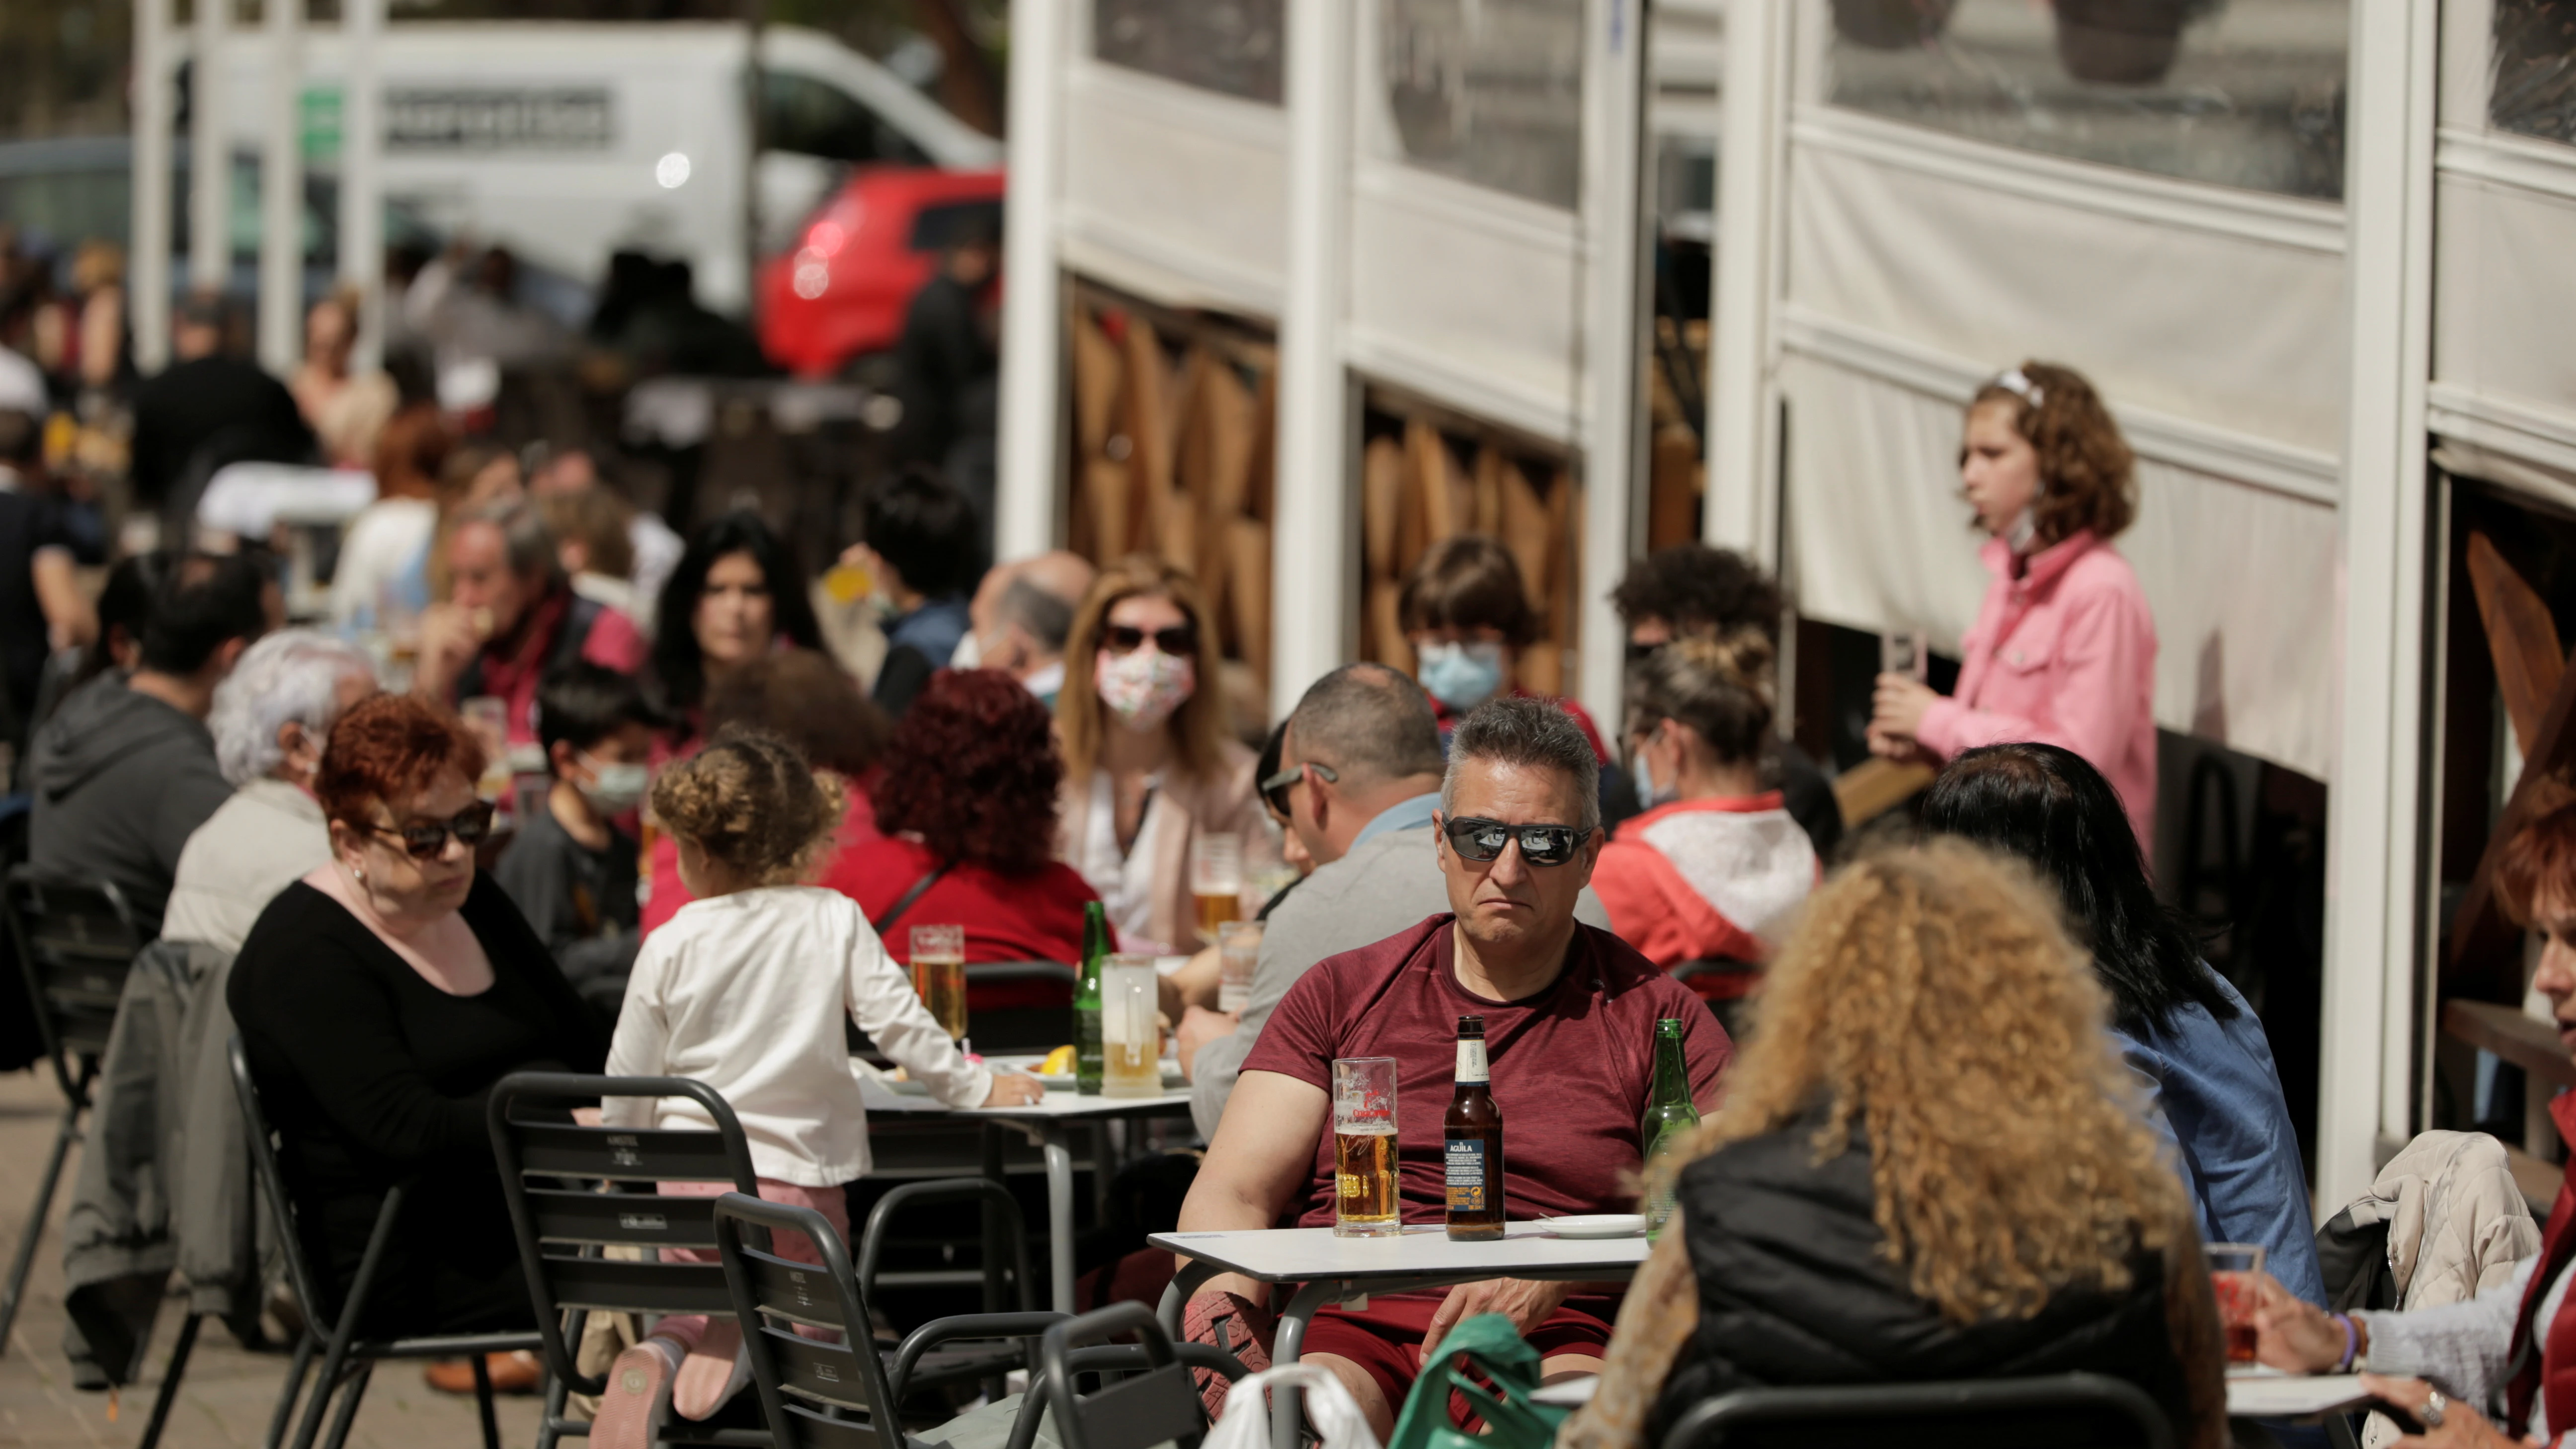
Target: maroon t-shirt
(1572,1066)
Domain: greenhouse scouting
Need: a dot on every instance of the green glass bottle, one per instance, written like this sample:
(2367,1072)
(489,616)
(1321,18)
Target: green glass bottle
(1086,1000)
(1670,1118)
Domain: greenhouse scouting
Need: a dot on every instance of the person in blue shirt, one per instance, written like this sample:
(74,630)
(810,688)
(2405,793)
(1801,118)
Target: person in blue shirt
(2194,1044)
(922,540)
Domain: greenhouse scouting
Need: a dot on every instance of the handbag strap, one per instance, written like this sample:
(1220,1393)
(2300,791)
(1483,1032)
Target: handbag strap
(903,903)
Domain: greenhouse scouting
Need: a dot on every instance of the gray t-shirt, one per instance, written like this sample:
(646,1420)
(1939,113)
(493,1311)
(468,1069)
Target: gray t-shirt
(1386,883)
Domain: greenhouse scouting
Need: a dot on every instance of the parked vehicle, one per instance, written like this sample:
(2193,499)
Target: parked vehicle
(841,295)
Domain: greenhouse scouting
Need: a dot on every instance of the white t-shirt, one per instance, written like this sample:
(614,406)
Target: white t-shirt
(1125,882)
(746,993)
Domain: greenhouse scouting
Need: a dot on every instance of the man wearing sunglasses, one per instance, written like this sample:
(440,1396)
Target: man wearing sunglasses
(1569,1013)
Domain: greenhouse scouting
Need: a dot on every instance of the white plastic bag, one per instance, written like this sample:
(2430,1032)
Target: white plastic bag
(1330,1410)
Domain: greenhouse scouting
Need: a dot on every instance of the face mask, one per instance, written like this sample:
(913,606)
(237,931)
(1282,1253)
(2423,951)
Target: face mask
(2019,532)
(1462,676)
(614,789)
(1144,685)
(1647,795)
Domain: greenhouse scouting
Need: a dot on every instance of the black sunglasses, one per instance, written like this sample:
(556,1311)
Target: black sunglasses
(424,839)
(1275,789)
(1483,840)
(1181,639)
(1640,653)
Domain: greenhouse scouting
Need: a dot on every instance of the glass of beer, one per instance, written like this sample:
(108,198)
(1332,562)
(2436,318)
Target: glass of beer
(1216,881)
(2233,1270)
(487,718)
(939,975)
(1365,1204)
(1131,1045)
(1238,951)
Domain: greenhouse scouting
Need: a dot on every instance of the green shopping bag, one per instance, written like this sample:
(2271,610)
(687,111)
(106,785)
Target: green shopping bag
(1509,1366)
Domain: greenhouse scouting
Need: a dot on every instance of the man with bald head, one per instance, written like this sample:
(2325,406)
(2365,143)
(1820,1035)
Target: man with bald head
(1020,617)
(1359,780)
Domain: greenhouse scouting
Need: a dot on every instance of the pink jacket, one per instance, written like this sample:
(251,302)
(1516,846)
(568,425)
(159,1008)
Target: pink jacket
(2064,655)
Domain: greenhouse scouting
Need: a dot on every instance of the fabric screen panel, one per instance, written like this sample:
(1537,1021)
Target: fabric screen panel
(2236,321)
(2243,580)
(1141,159)
(2504,294)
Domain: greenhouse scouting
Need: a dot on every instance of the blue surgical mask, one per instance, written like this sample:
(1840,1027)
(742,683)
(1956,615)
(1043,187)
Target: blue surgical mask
(1648,797)
(1462,676)
(614,789)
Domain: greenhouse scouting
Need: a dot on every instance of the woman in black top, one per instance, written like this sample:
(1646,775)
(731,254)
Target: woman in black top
(379,999)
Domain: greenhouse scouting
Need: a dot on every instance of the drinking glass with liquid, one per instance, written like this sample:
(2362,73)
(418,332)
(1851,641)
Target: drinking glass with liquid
(1365,1201)
(1907,652)
(939,975)
(2232,1277)
(1216,881)
(1131,1045)
(1238,951)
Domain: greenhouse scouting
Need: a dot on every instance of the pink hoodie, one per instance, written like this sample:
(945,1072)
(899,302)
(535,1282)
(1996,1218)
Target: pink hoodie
(2064,655)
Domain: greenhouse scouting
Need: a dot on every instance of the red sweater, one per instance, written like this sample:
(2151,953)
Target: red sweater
(1035,916)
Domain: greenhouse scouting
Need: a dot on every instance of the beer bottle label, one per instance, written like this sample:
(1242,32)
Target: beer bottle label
(1471,1060)
(1466,1171)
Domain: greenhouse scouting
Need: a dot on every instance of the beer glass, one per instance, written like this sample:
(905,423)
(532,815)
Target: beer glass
(1365,1201)
(1131,1047)
(1907,652)
(2232,1267)
(1216,881)
(487,718)
(1238,951)
(939,975)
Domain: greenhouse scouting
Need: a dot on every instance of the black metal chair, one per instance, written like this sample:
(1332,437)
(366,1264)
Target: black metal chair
(570,1194)
(74,945)
(1136,1411)
(1005,1250)
(347,1359)
(2024,1413)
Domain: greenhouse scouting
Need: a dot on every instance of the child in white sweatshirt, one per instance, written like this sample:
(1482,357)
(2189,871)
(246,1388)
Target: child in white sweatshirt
(745,990)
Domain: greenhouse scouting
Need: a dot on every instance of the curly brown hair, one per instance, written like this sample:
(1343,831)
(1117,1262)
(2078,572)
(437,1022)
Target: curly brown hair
(752,804)
(973,772)
(2088,476)
(1933,995)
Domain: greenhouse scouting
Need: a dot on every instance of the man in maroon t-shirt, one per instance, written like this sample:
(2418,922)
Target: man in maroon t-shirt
(1569,1015)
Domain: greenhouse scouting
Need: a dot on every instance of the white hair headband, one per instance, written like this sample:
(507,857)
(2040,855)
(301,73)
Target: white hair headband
(2018,383)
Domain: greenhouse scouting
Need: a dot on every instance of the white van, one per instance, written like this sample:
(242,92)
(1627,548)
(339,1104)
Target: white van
(566,142)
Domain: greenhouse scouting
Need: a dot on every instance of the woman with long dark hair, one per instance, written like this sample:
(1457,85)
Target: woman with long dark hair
(734,597)
(2182,1029)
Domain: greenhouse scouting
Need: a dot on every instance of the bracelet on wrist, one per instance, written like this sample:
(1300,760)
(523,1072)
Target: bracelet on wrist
(2351,1342)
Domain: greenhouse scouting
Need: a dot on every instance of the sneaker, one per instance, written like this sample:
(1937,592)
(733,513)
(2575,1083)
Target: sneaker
(1233,1323)
(638,1395)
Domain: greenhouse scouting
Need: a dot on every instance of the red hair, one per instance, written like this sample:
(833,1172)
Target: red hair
(386,747)
(973,772)
(2541,857)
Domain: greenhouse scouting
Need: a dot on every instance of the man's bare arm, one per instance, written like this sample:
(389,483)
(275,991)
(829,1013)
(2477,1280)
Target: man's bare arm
(1263,1155)
(69,619)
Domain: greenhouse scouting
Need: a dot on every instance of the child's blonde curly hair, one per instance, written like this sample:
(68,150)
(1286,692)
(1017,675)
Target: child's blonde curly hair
(752,804)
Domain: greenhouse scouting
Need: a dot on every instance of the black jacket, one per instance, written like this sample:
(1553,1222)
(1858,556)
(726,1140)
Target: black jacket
(1793,1290)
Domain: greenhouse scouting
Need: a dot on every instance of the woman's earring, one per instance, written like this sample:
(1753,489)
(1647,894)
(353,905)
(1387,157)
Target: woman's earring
(360,872)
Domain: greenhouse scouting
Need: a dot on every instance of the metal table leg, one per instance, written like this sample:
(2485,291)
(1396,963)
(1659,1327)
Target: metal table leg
(1050,1139)
(1177,1293)
(1285,1408)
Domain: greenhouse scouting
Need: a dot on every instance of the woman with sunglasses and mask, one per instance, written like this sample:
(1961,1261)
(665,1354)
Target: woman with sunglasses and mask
(1149,766)
(379,999)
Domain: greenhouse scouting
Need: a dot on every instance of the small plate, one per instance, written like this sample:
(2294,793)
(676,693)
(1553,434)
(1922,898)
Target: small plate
(1597,1225)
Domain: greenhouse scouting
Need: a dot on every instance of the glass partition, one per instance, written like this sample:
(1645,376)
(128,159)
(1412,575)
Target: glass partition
(1233,47)
(1488,91)
(2243,93)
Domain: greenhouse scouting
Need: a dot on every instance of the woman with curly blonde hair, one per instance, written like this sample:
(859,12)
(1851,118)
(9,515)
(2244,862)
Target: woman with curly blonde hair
(1930,1166)
(745,990)
(2064,647)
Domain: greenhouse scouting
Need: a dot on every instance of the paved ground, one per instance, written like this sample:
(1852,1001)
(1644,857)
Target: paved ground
(227,1395)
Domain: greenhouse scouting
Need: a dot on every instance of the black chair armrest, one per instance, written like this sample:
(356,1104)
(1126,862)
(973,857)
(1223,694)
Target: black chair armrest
(965,1326)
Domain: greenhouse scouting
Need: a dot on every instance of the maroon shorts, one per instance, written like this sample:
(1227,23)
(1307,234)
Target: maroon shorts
(1385,1340)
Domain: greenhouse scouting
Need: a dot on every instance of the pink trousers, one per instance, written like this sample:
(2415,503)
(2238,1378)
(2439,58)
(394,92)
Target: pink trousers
(831,1202)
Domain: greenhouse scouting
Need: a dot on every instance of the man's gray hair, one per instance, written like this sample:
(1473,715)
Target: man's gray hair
(524,536)
(1526,733)
(1370,723)
(1047,618)
(293,674)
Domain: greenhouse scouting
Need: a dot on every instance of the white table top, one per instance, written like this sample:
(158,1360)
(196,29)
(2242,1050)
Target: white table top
(2292,1396)
(1297,1255)
(882,1098)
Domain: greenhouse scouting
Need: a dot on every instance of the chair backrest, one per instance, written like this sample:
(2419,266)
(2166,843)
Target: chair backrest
(318,1311)
(2024,1413)
(1010,1233)
(75,944)
(771,1295)
(571,1195)
(1132,1413)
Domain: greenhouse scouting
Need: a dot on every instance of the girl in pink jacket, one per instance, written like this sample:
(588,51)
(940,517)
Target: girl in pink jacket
(2064,648)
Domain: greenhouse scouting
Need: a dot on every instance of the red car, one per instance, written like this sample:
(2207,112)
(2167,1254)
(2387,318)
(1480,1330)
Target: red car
(842,293)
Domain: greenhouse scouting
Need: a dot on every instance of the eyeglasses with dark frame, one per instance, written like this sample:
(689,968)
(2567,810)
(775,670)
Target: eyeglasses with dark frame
(1180,640)
(425,839)
(1275,788)
(1482,840)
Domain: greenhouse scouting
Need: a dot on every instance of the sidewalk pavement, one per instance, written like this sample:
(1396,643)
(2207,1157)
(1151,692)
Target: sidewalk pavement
(227,1395)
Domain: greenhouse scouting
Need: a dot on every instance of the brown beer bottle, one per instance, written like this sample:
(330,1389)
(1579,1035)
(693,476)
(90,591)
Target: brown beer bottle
(1473,1153)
